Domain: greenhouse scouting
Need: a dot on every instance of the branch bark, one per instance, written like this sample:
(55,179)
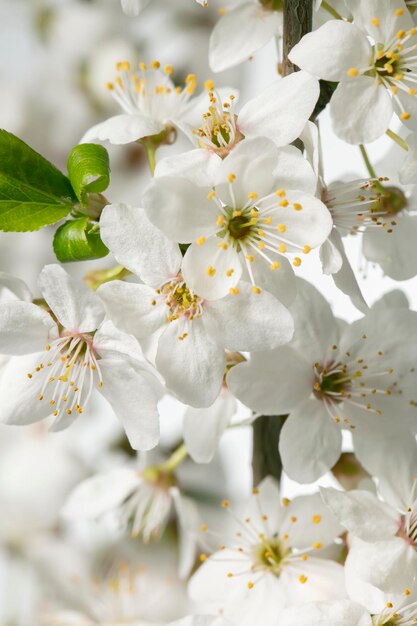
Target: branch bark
(266,460)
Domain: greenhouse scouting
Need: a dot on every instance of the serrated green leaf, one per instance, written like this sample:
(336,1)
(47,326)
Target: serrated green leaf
(33,193)
(78,240)
(88,170)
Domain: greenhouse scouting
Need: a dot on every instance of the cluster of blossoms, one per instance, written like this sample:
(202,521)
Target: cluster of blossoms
(209,311)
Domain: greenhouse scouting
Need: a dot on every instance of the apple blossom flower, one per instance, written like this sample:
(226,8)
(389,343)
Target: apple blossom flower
(279,112)
(373,59)
(147,497)
(152,105)
(193,331)
(360,378)
(268,563)
(241,31)
(60,355)
(257,208)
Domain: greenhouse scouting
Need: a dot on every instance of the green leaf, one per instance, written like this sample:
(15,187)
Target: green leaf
(88,170)
(78,240)
(33,192)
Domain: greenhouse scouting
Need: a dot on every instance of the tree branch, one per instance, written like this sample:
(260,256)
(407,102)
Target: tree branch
(298,21)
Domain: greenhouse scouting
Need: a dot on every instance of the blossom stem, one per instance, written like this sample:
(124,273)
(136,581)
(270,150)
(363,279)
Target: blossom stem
(326,6)
(397,139)
(367,162)
(177,457)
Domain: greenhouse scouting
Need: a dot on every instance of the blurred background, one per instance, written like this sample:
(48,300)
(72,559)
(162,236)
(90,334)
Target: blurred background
(56,57)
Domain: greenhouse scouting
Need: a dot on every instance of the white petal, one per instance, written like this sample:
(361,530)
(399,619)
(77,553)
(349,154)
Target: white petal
(193,367)
(12,288)
(109,341)
(130,307)
(314,523)
(331,50)
(249,308)
(272,383)
(76,307)
(306,431)
(373,569)
(280,111)
(200,261)
(345,278)
(330,257)
(325,581)
(24,327)
(253,162)
(341,613)
(395,252)
(188,519)
(198,166)
(311,140)
(203,428)
(361,110)
(266,503)
(309,226)
(101,493)
(294,171)
(395,299)
(315,325)
(240,33)
(133,400)
(138,245)
(388,22)
(280,282)
(19,395)
(362,514)
(122,129)
(180,208)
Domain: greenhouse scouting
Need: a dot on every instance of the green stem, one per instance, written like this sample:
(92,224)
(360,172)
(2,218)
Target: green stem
(397,139)
(151,154)
(331,10)
(96,278)
(368,164)
(176,458)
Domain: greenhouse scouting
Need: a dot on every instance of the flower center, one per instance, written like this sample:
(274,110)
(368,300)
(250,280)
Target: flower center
(180,300)
(269,555)
(240,224)
(67,371)
(218,132)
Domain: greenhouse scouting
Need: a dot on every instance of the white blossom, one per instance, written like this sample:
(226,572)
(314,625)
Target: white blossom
(61,354)
(193,331)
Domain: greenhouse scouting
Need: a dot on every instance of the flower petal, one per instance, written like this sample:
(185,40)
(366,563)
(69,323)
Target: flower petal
(294,171)
(193,367)
(76,307)
(101,493)
(240,33)
(210,270)
(331,50)
(198,166)
(345,278)
(308,429)
(138,245)
(341,613)
(362,514)
(12,288)
(203,428)
(280,111)
(272,383)
(122,129)
(130,307)
(361,110)
(133,400)
(310,523)
(396,251)
(24,327)
(180,208)
(249,334)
